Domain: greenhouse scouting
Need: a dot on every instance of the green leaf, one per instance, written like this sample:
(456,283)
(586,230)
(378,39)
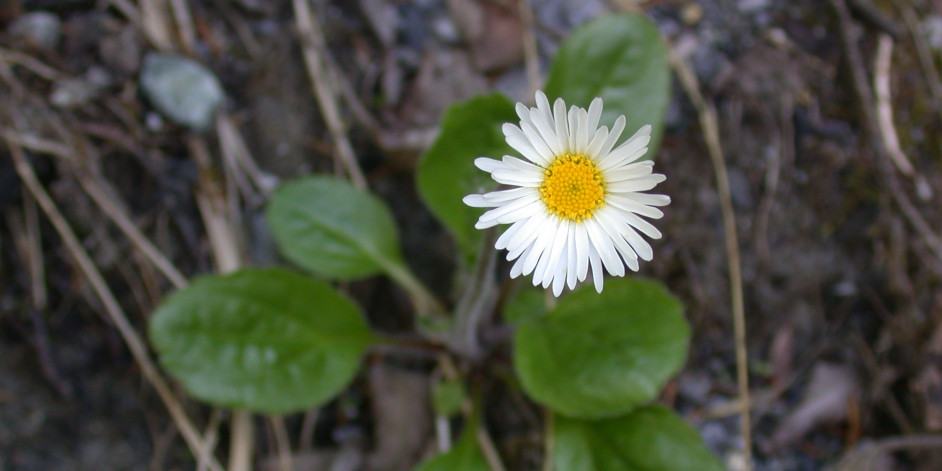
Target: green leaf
(269,340)
(527,303)
(602,355)
(649,439)
(446,173)
(466,455)
(332,229)
(622,59)
(448,396)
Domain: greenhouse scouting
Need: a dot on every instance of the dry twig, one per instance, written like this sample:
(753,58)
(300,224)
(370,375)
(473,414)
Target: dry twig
(871,122)
(113,309)
(312,45)
(711,133)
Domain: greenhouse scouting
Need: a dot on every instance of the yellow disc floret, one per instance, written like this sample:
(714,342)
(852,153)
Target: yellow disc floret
(572,187)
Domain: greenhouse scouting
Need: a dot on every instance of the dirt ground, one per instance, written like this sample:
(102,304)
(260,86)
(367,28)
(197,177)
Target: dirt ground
(839,224)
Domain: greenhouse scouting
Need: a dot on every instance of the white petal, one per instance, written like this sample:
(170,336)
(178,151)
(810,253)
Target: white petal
(594,114)
(536,140)
(543,240)
(582,251)
(524,238)
(556,252)
(625,203)
(476,201)
(601,135)
(631,150)
(639,184)
(582,136)
(604,245)
(597,276)
(650,200)
(628,172)
(573,123)
(523,112)
(571,260)
(517,139)
(558,284)
(497,197)
(510,212)
(562,124)
(514,228)
(611,139)
(486,164)
(642,225)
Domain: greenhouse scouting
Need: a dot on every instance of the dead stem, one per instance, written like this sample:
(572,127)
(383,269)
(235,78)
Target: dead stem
(312,45)
(711,133)
(531,54)
(871,123)
(113,309)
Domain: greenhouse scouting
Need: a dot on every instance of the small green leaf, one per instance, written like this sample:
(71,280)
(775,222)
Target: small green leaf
(650,438)
(622,59)
(466,455)
(269,340)
(527,303)
(447,397)
(447,173)
(602,355)
(332,229)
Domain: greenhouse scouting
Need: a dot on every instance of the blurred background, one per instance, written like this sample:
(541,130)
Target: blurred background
(828,115)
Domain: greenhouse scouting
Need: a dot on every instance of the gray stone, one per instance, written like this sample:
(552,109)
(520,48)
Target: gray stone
(40,28)
(182,89)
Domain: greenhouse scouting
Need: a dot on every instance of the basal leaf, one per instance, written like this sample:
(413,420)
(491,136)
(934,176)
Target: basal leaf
(622,59)
(602,355)
(268,340)
(447,173)
(332,229)
(648,439)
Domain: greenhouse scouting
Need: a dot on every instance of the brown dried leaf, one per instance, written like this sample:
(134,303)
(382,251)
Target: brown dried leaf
(826,400)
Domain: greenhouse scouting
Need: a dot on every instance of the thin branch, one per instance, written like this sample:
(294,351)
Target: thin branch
(184,21)
(156,24)
(711,133)
(531,54)
(113,309)
(130,230)
(868,109)
(282,444)
(312,46)
(884,111)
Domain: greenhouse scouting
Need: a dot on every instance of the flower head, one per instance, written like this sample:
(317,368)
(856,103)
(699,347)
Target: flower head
(576,200)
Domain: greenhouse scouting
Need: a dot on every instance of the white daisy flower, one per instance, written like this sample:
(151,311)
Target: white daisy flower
(576,200)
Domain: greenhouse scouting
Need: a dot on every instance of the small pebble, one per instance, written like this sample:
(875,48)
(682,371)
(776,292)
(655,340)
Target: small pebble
(40,28)
(182,89)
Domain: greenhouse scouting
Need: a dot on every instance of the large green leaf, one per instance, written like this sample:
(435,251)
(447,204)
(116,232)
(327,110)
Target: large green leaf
(447,173)
(464,456)
(622,59)
(602,355)
(327,226)
(266,340)
(649,439)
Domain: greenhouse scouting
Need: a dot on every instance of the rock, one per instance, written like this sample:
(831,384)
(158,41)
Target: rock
(182,89)
(41,29)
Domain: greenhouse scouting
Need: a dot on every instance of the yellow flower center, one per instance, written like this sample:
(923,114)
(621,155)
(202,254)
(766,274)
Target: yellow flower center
(572,187)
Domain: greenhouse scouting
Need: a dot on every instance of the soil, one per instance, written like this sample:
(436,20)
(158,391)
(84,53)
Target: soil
(840,247)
